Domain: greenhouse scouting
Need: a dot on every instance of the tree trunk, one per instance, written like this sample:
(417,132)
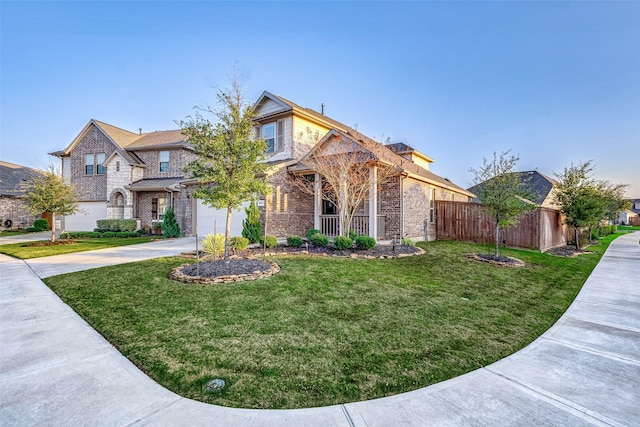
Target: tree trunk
(577,237)
(497,238)
(227,231)
(53,227)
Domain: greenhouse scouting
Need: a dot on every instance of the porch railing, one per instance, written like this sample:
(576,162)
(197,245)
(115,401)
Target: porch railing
(329,225)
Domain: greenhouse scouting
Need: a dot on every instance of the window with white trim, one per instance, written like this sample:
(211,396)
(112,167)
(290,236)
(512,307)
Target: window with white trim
(158,208)
(93,164)
(88,164)
(164,161)
(432,205)
(100,169)
(273,134)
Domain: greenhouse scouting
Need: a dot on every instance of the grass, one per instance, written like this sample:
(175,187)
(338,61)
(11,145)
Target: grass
(325,330)
(7,233)
(25,251)
(628,228)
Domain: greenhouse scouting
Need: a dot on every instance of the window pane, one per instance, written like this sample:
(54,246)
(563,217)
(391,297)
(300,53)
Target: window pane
(100,158)
(162,207)
(88,164)
(164,161)
(268,131)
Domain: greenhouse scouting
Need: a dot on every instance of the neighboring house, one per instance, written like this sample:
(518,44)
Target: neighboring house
(13,210)
(540,186)
(123,174)
(630,216)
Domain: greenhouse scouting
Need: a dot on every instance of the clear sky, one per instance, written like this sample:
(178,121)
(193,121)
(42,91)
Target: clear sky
(555,82)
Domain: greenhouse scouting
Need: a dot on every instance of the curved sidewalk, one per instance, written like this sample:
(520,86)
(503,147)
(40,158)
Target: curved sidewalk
(585,370)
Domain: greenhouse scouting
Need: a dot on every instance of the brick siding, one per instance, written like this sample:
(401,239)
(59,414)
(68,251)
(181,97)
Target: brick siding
(90,187)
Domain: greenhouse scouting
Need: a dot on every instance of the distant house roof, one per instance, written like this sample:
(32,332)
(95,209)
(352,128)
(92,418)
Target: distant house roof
(538,184)
(13,176)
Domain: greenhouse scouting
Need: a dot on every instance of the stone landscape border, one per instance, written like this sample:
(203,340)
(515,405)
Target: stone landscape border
(177,274)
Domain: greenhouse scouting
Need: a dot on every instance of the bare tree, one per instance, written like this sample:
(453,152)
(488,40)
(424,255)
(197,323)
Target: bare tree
(349,166)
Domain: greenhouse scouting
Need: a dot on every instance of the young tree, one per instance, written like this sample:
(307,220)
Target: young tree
(251,226)
(502,192)
(170,226)
(51,193)
(230,158)
(345,169)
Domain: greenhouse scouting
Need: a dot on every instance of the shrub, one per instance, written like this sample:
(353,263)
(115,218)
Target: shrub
(319,239)
(94,235)
(353,235)
(170,227)
(251,226)
(342,242)
(365,242)
(109,234)
(32,229)
(213,244)
(294,241)
(408,242)
(41,224)
(116,224)
(239,243)
(64,235)
(270,241)
(311,232)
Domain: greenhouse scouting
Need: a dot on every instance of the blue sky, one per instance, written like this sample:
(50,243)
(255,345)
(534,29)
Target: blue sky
(555,82)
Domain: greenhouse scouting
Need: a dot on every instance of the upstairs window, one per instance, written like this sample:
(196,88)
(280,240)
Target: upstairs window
(93,164)
(164,161)
(273,134)
(88,164)
(100,169)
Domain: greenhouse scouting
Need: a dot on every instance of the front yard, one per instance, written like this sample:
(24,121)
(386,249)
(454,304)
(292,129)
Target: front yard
(327,330)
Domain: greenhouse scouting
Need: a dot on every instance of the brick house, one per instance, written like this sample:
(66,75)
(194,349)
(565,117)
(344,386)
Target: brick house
(13,210)
(123,174)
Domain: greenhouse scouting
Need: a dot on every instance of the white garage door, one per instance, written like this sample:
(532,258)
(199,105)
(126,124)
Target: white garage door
(86,219)
(205,217)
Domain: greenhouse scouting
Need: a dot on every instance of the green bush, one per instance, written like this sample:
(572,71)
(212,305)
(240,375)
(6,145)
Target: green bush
(32,229)
(319,239)
(353,235)
(41,224)
(294,241)
(311,232)
(213,244)
(239,243)
(251,226)
(94,235)
(116,225)
(109,234)
(64,235)
(365,242)
(342,242)
(125,234)
(270,241)
(408,242)
(170,227)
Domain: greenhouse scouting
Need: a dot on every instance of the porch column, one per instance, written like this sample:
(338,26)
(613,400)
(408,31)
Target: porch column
(317,201)
(373,202)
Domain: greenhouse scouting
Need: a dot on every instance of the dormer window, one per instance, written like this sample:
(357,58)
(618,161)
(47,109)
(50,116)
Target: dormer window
(273,134)
(164,161)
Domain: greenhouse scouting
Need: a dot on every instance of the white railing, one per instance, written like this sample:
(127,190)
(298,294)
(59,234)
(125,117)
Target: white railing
(329,225)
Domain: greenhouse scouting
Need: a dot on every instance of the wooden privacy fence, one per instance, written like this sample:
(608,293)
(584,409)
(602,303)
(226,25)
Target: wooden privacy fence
(541,229)
(634,220)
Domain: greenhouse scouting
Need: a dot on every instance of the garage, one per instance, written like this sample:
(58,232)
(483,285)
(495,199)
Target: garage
(85,219)
(206,215)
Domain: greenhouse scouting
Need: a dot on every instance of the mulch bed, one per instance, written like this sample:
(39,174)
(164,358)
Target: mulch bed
(50,243)
(567,251)
(235,266)
(384,251)
(502,261)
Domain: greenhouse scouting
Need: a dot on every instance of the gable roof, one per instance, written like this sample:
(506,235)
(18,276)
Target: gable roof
(159,139)
(12,177)
(538,184)
(384,155)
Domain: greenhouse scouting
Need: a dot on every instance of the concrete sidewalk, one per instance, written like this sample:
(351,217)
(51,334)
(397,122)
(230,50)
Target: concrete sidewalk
(56,370)
(29,237)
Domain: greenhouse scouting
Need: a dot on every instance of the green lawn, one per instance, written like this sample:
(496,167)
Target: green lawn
(326,330)
(628,228)
(25,251)
(8,233)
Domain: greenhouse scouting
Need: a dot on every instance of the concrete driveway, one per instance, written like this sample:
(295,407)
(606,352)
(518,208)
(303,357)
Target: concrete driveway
(56,370)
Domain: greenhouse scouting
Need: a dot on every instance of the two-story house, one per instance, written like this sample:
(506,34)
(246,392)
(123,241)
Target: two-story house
(123,174)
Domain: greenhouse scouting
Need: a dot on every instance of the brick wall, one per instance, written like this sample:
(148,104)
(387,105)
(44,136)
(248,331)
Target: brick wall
(178,158)
(391,207)
(15,209)
(91,187)
(416,208)
(288,210)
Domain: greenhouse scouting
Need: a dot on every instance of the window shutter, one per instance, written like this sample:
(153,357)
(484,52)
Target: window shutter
(280,136)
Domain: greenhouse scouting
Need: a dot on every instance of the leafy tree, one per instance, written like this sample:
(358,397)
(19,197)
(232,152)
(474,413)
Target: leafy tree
(170,226)
(229,158)
(51,193)
(585,201)
(251,226)
(502,192)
